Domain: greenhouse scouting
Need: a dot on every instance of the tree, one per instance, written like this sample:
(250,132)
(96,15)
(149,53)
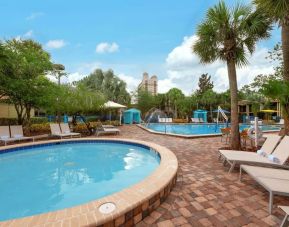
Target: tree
(278,11)
(205,84)
(227,34)
(145,101)
(107,83)
(175,96)
(75,101)
(22,75)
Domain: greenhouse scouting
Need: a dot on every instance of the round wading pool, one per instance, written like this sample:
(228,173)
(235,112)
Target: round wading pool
(51,176)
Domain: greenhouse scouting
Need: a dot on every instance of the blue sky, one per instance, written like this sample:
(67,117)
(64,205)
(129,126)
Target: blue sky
(132,36)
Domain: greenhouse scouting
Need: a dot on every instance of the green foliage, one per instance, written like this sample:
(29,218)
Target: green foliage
(111,86)
(74,100)
(228,33)
(205,84)
(146,101)
(22,76)
(276,9)
(278,89)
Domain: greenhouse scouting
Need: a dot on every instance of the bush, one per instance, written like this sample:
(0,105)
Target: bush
(42,128)
(14,121)
(8,121)
(39,120)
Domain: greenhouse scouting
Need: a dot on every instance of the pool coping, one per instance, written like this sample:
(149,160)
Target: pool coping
(133,203)
(189,136)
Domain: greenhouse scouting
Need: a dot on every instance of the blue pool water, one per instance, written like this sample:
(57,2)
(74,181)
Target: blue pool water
(47,178)
(199,129)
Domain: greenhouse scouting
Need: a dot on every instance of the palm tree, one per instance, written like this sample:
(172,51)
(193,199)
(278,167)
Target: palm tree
(278,11)
(229,34)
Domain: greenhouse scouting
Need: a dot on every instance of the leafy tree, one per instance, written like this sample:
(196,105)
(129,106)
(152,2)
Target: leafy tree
(75,101)
(107,83)
(208,101)
(278,11)
(205,84)
(145,101)
(227,34)
(22,75)
(175,96)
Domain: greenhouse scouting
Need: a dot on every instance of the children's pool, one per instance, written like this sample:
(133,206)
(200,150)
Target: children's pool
(200,129)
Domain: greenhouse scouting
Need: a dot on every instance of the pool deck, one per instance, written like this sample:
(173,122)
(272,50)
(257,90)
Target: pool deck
(205,194)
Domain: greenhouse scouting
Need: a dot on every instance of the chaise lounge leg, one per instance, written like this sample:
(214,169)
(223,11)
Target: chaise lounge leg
(240,176)
(232,167)
(270,202)
(285,221)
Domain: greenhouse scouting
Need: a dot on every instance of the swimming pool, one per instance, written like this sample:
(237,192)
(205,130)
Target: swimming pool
(52,176)
(199,129)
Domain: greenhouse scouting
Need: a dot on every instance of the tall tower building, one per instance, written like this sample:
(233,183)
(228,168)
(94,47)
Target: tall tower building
(149,84)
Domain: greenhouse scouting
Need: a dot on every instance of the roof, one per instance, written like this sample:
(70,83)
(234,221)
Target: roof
(201,111)
(113,105)
(133,110)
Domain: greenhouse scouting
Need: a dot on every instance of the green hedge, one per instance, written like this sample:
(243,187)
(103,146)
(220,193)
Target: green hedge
(14,121)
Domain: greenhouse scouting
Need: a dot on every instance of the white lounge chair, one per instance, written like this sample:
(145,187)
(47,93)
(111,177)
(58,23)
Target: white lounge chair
(268,147)
(103,130)
(239,157)
(285,221)
(17,133)
(195,120)
(56,131)
(275,181)
(66,130)
(5,135)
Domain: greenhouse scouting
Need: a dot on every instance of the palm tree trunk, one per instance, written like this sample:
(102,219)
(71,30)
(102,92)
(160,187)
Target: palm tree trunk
(235,135)
(285,49)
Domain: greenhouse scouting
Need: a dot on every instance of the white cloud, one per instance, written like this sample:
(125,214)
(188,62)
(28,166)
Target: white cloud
(33,16)
(55,44)
(184,69)
(26,35)
(105,47)
(131,81)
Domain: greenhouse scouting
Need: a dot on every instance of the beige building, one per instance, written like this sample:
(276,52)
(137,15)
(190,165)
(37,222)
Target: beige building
(149,84)
(8,110)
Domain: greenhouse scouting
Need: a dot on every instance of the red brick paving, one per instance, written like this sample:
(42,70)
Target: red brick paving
(205,194)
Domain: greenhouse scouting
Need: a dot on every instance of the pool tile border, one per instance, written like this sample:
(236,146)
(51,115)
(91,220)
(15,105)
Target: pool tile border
(133,203)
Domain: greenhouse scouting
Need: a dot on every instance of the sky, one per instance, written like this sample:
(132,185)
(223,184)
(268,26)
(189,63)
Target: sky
(129,36)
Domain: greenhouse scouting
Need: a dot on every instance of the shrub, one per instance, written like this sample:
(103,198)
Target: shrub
(36,129)
(8,121)
(39,120)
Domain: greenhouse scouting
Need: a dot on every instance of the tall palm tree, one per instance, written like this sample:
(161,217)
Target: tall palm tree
(229,34)
(278,11)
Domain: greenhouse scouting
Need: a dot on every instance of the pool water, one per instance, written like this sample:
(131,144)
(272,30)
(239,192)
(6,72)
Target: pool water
(48,178)
(199,129)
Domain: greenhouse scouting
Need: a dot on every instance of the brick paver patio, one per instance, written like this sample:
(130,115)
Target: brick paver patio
(206,195)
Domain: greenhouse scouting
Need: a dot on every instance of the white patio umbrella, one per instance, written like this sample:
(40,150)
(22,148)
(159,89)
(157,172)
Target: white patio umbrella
(114,105)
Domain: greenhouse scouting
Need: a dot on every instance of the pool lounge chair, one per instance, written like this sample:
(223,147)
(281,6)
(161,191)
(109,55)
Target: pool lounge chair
(275,181)
(281,153)
(66,130)
(17,133)
(5,135)
(285,221)
(103,130)
(195,120)
(268,147)
(56,131)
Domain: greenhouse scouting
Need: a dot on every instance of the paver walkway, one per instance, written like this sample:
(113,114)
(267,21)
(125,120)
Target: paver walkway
(206,195)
